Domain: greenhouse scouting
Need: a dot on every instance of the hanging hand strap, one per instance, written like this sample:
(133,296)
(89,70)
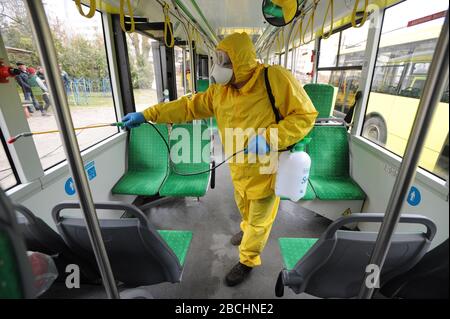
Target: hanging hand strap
(310,23)
(329,8)
(365,15)
(92,8)
(300,29)
(168,26)
(122,16)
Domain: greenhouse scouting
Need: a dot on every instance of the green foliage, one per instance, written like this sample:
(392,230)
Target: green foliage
(79,56)
(141,68)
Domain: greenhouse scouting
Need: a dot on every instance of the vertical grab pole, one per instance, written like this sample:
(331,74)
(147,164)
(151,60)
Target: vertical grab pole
(47,53)
(433,89)
(286,46)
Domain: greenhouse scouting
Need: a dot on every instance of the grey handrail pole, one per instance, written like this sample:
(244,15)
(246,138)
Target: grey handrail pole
(47,54)
(432,93)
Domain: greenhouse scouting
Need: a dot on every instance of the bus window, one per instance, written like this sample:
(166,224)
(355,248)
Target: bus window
(142,70)
(405,52)
(180,71)
(7,176)
(441,168)
(340,63)
(80,46)
(329,51)
(281,61)
(289,61)
(188,71)
(304,63)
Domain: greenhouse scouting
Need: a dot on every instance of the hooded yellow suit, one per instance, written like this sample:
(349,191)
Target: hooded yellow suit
(248,107)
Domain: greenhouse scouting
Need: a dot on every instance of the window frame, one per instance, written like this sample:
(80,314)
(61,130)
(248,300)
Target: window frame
(336,67)
(112,97)
(10,162)
(431,178)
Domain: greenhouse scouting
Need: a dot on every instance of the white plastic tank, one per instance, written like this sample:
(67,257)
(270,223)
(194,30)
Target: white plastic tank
(293,172)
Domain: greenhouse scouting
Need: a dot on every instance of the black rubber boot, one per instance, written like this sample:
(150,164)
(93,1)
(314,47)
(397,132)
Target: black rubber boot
(237,238)
(237,274)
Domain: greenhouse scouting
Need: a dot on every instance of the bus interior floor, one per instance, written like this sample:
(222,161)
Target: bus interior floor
(214,219)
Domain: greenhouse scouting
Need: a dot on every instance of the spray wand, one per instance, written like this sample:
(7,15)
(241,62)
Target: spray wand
(27,134)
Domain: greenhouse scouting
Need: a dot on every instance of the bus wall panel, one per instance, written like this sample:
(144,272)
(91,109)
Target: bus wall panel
(376,172)
(109,160)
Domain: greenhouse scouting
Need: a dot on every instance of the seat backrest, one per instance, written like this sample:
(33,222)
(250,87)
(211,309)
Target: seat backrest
(37,234)
(40,237)
(16,278)
(145,148)
(202,85)
(137,253)
(322,96)
(192,157)
(329,151)
(428,279)
(335,266)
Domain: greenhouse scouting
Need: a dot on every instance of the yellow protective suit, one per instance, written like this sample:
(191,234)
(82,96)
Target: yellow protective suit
(289,8)
(248,107)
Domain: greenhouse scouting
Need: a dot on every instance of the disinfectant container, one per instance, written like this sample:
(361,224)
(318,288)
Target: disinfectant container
(293,172)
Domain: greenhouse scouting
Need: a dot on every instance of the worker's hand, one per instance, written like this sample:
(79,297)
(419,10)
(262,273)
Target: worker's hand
(133,120)
(257,145)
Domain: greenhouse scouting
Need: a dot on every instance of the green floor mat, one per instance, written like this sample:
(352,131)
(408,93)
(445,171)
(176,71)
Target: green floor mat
(179,241)
(195,185)
(337,188)
(9,278)
(293,249)
(321,96)
(147,162)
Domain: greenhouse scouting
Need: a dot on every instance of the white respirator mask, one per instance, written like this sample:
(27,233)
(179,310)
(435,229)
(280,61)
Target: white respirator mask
(222,70)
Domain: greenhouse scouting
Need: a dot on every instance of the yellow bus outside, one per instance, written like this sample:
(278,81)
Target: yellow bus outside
(402,65)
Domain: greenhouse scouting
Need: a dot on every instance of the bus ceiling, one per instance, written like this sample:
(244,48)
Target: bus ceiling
(208,21)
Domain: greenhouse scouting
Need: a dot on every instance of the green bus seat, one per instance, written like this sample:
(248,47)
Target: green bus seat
(293,249)
(139,254)
(188,186)
(179,241)
(333,265)
(202,85)
(322,96)
(147,162)
(16,277)
(329,175)
(10,287)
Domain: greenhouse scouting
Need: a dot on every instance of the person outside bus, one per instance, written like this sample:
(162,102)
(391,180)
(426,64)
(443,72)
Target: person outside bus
(22,80)
(39,90)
